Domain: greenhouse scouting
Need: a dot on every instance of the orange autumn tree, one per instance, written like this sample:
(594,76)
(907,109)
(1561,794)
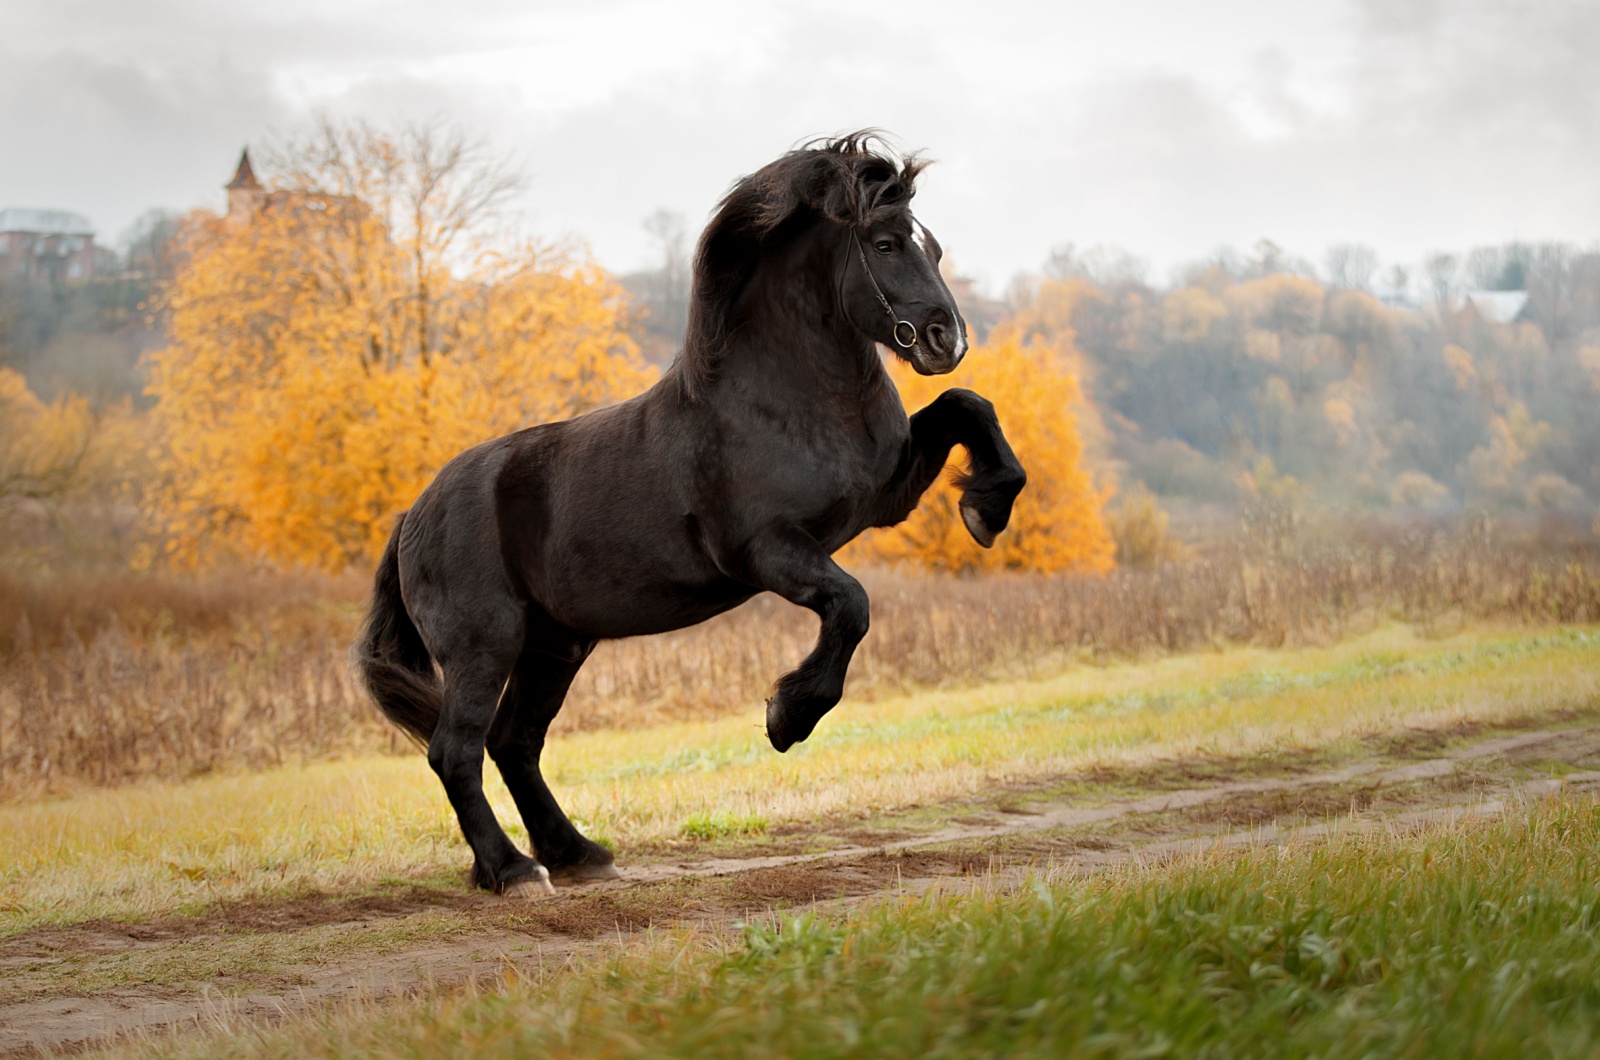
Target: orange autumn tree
(1056,524)
(335,345)
(52,451)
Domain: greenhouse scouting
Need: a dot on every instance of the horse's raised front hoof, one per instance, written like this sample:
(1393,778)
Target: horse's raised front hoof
(975,524)
(584,872)
(525,888)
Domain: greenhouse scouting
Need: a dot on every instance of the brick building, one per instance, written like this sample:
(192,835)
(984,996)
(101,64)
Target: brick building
(248,200)
(245,194)
(53,244)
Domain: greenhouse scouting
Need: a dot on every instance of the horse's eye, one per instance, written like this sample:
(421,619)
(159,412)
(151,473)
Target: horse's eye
(883,246)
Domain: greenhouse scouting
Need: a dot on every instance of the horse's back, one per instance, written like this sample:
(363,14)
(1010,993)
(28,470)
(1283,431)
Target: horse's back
(589,520)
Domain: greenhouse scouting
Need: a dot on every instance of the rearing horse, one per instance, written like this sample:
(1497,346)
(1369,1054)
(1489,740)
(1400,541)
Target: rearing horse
(773,439)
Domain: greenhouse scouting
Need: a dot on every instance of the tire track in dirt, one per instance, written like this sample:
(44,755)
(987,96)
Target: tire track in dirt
(713,894)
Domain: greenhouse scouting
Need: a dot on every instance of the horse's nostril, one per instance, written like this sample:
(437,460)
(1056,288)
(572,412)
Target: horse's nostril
(937,336)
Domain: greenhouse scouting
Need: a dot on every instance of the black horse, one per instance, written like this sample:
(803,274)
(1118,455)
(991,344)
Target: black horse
(773,439)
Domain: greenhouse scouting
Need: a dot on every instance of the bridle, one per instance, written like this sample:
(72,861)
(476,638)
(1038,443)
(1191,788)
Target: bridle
(898,321)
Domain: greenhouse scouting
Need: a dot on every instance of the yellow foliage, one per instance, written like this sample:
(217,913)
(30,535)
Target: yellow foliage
(1056,524)
(1461,365)
(1282,303)
(1263,346)
(1276,392)
(1139,527)
(1589,357)
(1358,319)
(48,451)
(1265,482)
(1341,416)
(1513,439)
(1190,313)
(317,377)
(1548,491)
(1415,489)
(1049,314)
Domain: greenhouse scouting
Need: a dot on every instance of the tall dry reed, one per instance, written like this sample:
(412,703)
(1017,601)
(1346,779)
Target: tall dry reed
(107,681)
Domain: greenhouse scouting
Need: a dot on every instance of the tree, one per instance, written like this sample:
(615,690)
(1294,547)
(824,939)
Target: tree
(1441,271)
(51,451)
(1100,264)
(148,244)
(664,292)
(328,355)
(1352,266)
(1056,524)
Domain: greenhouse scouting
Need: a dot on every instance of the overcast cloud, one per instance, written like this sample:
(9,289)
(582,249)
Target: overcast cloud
(1169,128)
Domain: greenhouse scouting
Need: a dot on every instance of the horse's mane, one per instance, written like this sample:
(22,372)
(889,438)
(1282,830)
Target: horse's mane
(854,180)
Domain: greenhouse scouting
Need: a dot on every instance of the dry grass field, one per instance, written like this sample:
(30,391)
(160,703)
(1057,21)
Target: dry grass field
(104,680)
(160,848)
(212,845)
(222,903)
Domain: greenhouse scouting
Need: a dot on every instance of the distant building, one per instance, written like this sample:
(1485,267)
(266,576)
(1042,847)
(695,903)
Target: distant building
(1497,307)
(247,199)
(245,193)
(49,244)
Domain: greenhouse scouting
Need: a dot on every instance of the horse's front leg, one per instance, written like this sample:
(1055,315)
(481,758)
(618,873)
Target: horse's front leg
(991,483)
(790,562)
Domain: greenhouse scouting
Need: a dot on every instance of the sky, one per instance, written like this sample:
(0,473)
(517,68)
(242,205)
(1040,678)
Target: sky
(1171,129)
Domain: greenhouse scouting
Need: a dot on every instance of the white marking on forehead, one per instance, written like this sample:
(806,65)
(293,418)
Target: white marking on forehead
(919,235)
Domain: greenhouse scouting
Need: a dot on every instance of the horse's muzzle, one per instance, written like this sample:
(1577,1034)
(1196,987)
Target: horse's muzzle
(942,346)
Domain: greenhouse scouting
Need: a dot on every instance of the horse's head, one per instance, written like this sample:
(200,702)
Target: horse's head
(892,291)
(833,217)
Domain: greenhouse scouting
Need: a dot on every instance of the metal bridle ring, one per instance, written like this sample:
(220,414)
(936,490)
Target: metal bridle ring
(898,324)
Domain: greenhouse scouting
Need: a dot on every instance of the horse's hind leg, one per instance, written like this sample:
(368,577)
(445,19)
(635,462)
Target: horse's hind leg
(533,698)
(476,660)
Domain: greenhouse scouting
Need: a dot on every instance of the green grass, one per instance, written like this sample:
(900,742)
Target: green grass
(722,824)
(1473,938)
(165,849)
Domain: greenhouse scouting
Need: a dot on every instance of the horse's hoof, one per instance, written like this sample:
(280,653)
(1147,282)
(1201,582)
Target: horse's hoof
(778,726)
(584,873)
(527,887)
(976,526)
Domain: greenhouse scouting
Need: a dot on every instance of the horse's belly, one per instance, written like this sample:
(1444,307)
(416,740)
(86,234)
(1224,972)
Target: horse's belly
(618,608)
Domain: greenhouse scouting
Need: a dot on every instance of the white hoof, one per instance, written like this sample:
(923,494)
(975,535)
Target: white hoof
(585,873)
(535,886)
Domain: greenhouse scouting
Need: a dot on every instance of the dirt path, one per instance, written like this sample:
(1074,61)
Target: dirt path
(69,987)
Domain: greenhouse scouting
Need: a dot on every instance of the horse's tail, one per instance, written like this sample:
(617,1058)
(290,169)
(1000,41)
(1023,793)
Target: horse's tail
(393,662)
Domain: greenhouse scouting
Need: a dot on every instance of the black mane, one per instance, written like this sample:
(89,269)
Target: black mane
(854,180)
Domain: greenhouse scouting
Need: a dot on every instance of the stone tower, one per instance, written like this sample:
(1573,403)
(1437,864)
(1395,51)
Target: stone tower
(244,192)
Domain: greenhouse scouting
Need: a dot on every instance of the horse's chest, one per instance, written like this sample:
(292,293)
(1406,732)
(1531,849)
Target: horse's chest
(847,479)
(855,456)
(821,470)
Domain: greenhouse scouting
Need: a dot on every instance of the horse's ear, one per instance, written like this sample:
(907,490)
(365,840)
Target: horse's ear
(881,186)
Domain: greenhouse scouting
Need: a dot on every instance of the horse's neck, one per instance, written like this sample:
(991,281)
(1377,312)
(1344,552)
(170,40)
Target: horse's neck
(795,339)
(796,359)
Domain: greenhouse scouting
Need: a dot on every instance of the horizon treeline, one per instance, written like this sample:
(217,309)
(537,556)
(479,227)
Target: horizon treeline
(1243,379)
(1346,386)
(1261,379)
